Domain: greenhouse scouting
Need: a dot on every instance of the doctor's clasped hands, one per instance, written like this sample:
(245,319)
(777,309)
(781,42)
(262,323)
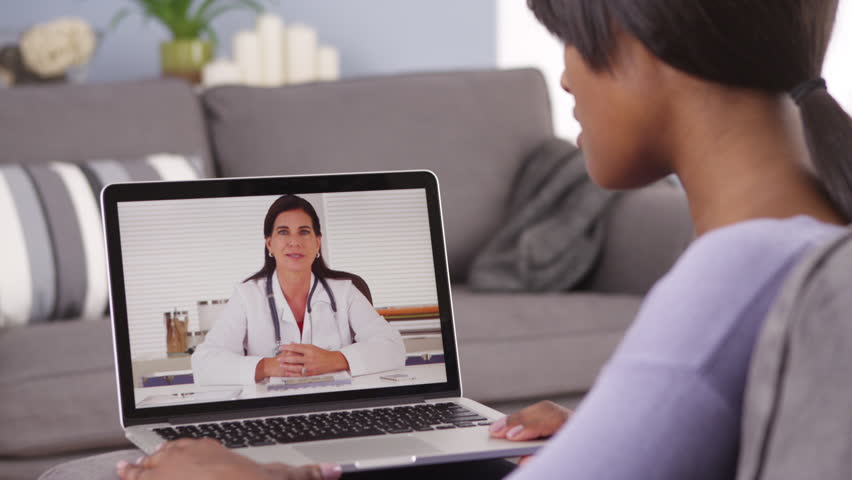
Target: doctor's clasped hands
(301,360)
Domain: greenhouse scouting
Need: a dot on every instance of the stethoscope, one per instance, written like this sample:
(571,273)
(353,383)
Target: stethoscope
(274,311)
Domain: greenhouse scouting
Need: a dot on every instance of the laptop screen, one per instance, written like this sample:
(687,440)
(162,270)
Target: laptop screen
(351,270)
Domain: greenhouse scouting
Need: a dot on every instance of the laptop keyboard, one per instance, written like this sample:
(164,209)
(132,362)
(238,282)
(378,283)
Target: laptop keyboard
(331,425)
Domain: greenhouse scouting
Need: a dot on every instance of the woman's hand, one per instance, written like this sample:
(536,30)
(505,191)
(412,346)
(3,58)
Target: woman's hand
(207,459)
(305,360)
(268,367)
(536,421)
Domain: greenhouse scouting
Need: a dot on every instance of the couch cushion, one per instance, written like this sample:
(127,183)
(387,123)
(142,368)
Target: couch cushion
(507,316)
(58,399)
(646,231)
(516,346)
(52,246)
(74,123)
(471,128)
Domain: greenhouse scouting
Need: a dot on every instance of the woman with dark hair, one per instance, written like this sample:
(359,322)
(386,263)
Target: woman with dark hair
(728,96)
(296,317)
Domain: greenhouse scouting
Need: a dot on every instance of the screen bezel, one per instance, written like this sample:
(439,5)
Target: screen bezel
(114,194)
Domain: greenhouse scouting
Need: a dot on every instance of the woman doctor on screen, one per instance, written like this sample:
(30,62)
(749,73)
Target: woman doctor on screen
(325,318)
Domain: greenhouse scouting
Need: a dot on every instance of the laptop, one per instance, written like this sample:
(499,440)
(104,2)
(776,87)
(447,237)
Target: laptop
(180,253)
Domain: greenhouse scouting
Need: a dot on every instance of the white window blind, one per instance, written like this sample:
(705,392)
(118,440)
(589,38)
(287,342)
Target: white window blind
(179,252)
(384,238)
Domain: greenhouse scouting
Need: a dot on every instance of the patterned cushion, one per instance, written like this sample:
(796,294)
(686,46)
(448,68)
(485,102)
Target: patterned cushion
(51,245)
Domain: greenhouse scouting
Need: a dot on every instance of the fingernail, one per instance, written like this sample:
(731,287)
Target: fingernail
(139,460)
(330,471)
(515,431)
(120,466)
(497,426)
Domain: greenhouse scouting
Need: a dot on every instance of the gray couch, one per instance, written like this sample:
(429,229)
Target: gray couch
(472,128)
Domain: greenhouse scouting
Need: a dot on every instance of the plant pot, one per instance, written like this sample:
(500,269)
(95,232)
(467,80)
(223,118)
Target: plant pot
(185,58)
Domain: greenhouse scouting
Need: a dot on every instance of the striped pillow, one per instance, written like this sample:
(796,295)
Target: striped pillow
(52,262)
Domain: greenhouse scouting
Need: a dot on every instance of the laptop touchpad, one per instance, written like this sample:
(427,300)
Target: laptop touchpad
(366,448)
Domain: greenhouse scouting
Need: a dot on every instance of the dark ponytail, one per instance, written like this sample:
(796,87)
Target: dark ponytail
(828,129)
(319,268)
(769,45)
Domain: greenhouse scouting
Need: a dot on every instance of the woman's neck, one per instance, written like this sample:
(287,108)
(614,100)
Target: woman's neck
(294,285)
(743,155)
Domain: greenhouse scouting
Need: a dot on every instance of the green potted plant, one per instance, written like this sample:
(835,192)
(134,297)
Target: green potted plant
(189,21)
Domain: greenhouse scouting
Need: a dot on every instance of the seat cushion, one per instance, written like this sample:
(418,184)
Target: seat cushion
(518,346)
(57,389)
(510,316)
(471,128)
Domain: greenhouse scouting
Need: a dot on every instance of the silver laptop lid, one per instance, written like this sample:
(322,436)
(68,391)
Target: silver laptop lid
(194,293)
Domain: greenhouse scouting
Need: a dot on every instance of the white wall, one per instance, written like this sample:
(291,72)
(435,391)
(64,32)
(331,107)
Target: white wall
(374,36)
(838,62)
(523,42)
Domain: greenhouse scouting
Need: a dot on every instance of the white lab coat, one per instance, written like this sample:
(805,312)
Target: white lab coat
(244,334)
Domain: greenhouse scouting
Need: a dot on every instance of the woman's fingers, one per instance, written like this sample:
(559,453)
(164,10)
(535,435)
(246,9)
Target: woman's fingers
(298,349)
(129,471)
(309,360)
(189,458)
(290,357)
(294,370)
(540,420)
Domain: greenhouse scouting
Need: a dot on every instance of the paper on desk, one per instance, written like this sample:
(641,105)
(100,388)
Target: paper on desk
(329,379)
(189,397)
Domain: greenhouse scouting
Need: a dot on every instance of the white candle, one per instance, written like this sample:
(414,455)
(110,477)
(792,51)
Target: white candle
(221,72)
(328,64)
(247,56)
(285,73)
(270,31)
(301,55)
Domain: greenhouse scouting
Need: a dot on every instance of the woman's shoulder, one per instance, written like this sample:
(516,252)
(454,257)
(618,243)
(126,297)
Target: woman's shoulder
(250,288)
(339,284)
(716,295)
(350,288)
(728,272)
(752,248)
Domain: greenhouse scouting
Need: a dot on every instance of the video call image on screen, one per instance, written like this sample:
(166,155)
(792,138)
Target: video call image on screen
(200,318)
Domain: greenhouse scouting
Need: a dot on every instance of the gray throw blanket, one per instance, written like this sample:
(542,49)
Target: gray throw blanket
(553,231)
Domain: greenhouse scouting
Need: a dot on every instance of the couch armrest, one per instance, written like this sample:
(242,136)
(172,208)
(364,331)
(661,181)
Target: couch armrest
(646,231)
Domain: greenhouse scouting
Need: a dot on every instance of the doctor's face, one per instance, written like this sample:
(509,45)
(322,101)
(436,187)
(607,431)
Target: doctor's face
(293,243)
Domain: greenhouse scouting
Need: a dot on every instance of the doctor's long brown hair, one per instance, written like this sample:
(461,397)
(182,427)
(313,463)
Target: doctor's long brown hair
(319,268)
(767,45)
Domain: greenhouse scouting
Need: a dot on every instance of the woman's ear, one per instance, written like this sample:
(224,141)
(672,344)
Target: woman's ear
(269,244)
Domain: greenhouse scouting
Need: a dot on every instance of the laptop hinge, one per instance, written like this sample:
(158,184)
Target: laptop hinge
(430,396)
(321,407)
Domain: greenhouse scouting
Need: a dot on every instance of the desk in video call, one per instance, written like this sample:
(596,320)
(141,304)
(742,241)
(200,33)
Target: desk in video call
(429,373)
